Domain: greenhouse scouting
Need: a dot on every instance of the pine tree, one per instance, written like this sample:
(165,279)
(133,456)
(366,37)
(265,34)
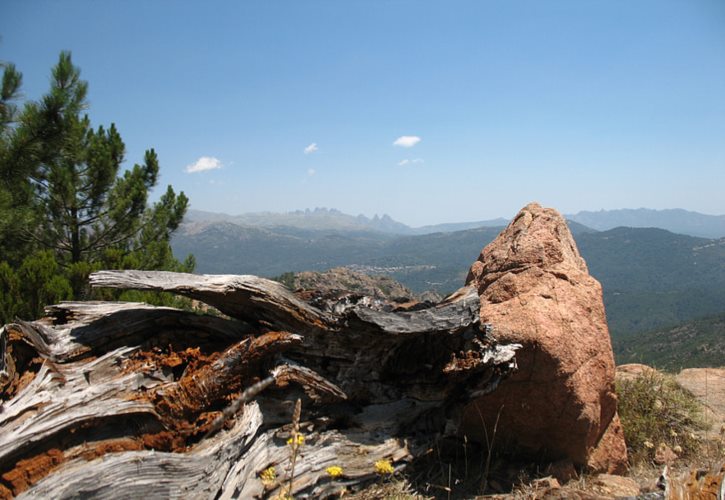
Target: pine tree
(13,188)
(63,195)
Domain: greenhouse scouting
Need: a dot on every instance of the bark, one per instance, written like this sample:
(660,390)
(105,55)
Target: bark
(124,399)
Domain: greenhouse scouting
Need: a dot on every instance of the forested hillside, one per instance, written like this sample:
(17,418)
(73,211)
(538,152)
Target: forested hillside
(692,344)
(653,278)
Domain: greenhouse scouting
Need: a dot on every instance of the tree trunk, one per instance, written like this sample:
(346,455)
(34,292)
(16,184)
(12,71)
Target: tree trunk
(106,399)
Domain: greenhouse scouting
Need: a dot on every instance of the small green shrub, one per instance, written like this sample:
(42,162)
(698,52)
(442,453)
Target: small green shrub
(287,279)
(655,410)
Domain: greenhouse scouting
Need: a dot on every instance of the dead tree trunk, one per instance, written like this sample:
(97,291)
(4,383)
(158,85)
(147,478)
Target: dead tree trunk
(108,399)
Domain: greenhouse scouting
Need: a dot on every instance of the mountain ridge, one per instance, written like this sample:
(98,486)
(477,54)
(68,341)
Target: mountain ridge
(674,220)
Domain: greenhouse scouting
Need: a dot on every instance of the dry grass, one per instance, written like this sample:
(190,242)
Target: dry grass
(656,411)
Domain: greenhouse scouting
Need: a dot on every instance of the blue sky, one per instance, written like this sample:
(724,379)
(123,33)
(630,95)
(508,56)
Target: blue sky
(580,105)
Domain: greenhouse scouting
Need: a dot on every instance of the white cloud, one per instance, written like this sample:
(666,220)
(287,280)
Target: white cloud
(204,163)
(311,148)
(406,141)
(410,162)
(311,172)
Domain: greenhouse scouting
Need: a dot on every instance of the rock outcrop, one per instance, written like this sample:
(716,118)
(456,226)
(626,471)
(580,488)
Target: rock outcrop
(632,371)
(342,279)
(535,290)
(708,386)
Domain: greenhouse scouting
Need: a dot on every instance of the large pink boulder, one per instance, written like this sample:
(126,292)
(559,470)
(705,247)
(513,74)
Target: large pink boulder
(536,290)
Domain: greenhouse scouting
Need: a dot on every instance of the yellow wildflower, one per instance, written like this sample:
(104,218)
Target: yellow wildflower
(334,471)
(384,467)
(649,444)
(297,441)
(268,476)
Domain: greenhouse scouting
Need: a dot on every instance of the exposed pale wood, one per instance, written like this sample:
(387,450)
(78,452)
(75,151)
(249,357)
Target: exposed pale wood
(199,473)
(149,401)
(64,397)
(452,316)
(245,297)
(74,329)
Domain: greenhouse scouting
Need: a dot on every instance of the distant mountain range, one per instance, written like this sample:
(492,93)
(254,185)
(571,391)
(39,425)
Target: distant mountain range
(673,220)
(317,219)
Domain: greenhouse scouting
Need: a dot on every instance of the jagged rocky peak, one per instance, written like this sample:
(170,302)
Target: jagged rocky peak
(535,290)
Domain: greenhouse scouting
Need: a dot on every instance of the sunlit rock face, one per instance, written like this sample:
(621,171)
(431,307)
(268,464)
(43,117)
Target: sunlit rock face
(535,290)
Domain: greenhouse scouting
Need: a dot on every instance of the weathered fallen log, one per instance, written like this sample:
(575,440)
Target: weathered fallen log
(129,400)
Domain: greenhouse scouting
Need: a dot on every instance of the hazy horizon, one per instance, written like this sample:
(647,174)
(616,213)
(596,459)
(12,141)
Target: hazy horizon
(462,220)
(423,111)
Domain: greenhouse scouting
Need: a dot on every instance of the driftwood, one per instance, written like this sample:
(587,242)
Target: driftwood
(116,400)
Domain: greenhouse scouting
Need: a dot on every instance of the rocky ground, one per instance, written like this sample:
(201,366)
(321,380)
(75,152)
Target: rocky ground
(344,279)
(708,386)
(640,481)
